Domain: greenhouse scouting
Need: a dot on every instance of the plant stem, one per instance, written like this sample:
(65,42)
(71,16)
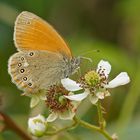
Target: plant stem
(100,115)
(93,128)
(63,129)
(84,124)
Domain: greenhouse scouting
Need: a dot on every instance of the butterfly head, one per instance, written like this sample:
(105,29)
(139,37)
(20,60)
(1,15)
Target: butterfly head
(74,64)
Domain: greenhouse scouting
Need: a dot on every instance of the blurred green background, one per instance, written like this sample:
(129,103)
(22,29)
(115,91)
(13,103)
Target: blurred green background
(111,26)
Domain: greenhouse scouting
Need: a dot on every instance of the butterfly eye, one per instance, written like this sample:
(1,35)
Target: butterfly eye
(31,53)
(22,58)
(22,70)
(25,78)
(19,64)
(77,61)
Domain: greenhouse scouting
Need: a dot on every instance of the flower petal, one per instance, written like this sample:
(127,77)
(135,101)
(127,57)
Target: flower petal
(34,101)
(52,117)
(119,80)
(104,66)
(67,115)
(78,97)
(93,99)
(70,85)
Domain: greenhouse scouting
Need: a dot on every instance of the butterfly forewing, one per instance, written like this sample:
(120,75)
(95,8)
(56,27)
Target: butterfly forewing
(33,33)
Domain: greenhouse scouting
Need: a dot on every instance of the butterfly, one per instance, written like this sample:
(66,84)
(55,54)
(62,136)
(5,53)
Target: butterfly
(43,57)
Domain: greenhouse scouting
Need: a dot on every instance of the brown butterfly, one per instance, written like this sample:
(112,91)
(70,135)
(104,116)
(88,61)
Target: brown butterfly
(43,58)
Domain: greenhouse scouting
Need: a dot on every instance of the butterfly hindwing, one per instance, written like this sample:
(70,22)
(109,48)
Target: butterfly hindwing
(33,70)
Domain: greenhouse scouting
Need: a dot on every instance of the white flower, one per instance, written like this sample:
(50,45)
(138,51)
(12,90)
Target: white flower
(37,125)
(60,105)
(95,83)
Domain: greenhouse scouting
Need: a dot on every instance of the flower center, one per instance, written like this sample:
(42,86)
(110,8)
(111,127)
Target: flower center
(94,81)
(92,78)
(55,99)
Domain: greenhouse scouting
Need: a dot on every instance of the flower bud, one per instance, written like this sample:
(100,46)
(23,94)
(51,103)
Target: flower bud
(37,125)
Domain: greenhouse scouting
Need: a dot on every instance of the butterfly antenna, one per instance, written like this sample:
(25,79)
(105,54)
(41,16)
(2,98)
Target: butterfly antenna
(88,52)
(87,58)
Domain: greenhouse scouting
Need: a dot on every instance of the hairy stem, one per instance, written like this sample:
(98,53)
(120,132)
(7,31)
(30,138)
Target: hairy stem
(100,115)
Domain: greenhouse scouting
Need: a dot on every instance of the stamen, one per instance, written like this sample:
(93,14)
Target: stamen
(93,80)
(55,99)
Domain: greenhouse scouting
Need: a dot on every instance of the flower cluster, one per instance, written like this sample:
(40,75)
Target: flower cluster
(57,100)
(62,101)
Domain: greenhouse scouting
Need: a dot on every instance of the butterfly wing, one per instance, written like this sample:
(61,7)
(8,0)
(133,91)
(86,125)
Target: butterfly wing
(33,33)
(35,70)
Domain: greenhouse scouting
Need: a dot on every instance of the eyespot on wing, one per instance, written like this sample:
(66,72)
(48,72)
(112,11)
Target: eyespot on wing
(18,69)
